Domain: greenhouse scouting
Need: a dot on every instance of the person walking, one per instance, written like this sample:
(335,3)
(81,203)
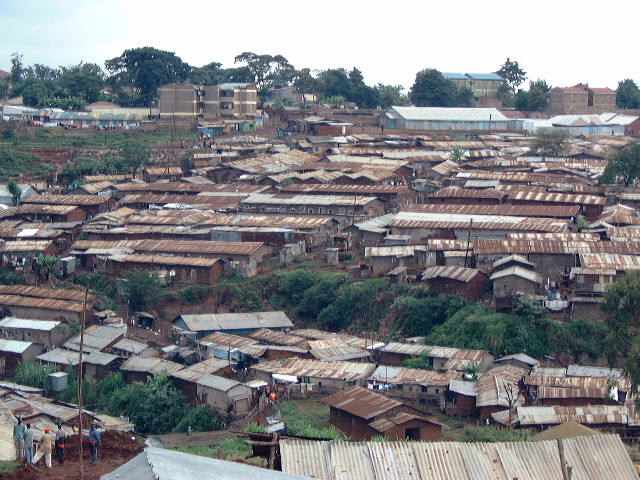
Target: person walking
(94,440)
(28,444)
(18,439)
(61,437)
(45,448)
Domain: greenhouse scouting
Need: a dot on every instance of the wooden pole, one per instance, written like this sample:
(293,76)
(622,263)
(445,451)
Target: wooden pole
(80,376)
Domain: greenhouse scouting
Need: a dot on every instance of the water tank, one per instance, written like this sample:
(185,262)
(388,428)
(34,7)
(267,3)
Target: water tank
(58,381)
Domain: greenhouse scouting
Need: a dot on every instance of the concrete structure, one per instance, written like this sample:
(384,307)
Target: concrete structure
(485,86)
(14,352)
(581,99)
(42,332)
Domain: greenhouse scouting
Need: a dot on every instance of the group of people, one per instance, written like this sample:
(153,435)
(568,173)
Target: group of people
(23,437)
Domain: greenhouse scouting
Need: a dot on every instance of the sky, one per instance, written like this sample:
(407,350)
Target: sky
(562,41)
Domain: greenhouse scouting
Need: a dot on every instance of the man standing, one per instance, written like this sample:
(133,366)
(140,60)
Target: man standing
(46,446)
(28,444)
(60,439)
(18,439)
(94,440)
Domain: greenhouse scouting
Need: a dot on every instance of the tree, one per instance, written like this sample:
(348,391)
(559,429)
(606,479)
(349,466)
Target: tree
(83,80)
(511,72)
(200,419)
(623,165)
(627,94)
(622,307)
(142,288)
(418,316)
(534,100)
(506,95)
(155,407)
(15,191)
(35,93)
(147,69)
(431,89)
(17,68)
(390,95)
(551,142)
(43,266)
(267,70)
(421,362)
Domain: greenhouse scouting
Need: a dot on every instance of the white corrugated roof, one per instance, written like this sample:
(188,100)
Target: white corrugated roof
(14,346)
(28,324)
(450,114)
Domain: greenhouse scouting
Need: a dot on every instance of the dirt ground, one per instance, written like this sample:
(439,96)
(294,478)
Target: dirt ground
(117,448)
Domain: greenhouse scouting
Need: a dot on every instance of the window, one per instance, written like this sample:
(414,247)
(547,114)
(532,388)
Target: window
(590,99)
(310,210)
(341,211)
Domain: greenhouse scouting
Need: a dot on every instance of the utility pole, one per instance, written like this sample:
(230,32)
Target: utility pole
(466,252)
(80,376)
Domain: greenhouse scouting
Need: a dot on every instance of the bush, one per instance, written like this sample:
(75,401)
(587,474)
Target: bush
(200,419)
(418,316)
(34,374)
(302,428)
(9,277)
(14,164)
(492,434)
(143,289)
(253,427)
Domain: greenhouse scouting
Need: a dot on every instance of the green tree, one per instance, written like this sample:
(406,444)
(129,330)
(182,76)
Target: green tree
(200,419)
(142,289)
(35,93)
(156,406)
(15,191)
(506,95)
(431,89)
(535,99)
(624,165)
(422,362)
(551,142)
(622,307)
(418,316)
(267,70)
(44,266)
(511,72)
(84,80)
(627,94)
(390,95)
(17,68)
(147,69)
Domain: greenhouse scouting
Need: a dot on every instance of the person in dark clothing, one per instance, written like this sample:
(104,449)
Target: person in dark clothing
(94,440)
(60,440)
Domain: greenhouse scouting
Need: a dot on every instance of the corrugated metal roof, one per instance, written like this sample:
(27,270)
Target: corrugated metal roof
(77,200)
(44,303)
(558,198)
(623,383)
(342,352)
(14,346)
(60,356)
(49,293)
(443,114)
(225,340)
(591,458)
(590,371)
(292,199)
(193,188)
(236,321)
(460,274)
(610,261)
(168,260)
(131,346)
(347,371)
(17,246)
(413,376)
(278,338)
(362,402)
(588,415)
(499,386)
(150,365)
(173,246)
(518,271)
(28,324)
(457,192)
(344,188)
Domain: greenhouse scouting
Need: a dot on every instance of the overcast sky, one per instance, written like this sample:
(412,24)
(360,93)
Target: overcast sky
(561,41)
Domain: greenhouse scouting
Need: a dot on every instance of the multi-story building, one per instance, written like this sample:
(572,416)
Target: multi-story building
(581,99)
(186,102)
(485,86)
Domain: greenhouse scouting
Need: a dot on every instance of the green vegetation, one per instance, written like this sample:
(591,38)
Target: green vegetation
(142,289)
(101,286)
(431,89)
(155,406)
(628,94)
(418,312)
(551,142)
(9,467)
(535,99)
(622,306)
(623,166)
(9,277)
(525,330)
(309,419)
(14,164)
(231,449)
(15,191)
(200,419)
(492,434)
(253,427)
(422,361)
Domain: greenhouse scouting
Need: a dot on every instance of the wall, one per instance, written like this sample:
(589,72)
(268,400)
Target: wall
(506,286)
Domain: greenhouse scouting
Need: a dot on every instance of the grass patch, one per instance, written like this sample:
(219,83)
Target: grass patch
(9,467)
(46,137)
(308,418)
(14,164)
(232,449)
